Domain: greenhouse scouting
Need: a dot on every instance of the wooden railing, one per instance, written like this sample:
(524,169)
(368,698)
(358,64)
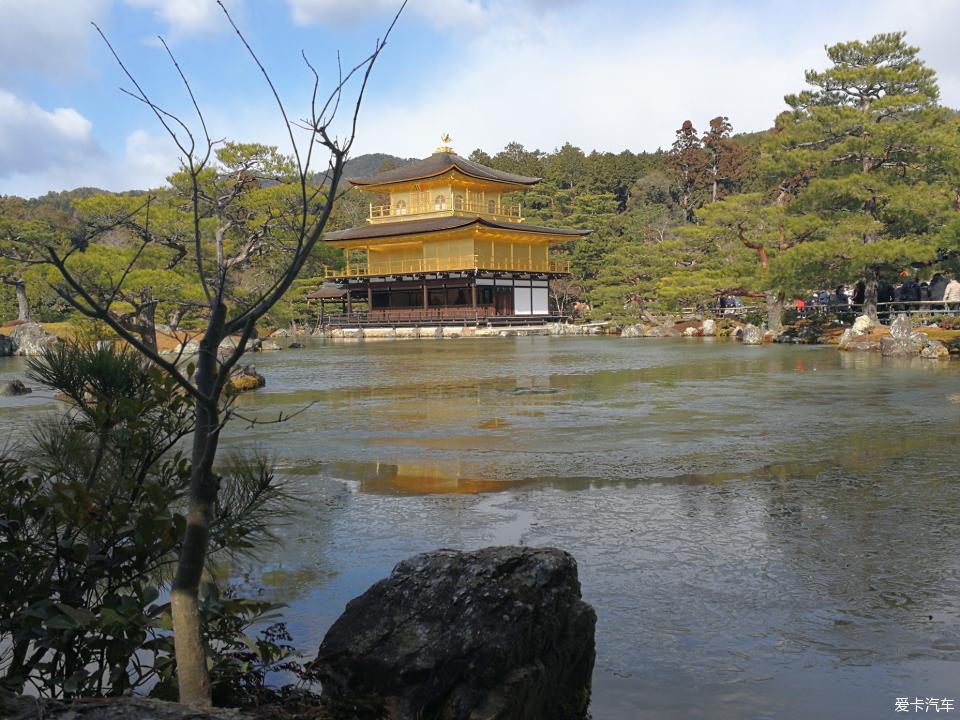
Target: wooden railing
(434,316)
(719,311)
(510,211)
(435,313)
(445,264)
(884,309)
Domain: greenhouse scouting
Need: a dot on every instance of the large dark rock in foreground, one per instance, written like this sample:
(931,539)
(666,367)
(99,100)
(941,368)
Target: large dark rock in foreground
(500,634)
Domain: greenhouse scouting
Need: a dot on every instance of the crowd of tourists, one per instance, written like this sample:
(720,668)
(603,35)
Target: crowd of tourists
(729,302)
(941,294)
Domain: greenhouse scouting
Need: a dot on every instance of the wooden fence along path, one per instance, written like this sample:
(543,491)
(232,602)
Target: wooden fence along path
(923,308)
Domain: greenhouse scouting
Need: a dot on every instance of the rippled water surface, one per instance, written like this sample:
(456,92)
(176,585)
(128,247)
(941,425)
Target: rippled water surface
(765,532)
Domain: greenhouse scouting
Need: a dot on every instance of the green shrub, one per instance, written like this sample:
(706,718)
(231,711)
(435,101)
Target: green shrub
(92,514)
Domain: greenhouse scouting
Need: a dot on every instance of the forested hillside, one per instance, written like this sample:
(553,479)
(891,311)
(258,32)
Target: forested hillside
(857,179)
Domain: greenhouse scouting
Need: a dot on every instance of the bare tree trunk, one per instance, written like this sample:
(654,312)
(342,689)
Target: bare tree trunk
(147,324)
(870,293)
(13,679)
(192,675)
(176,316)
(774,303)
(23,304)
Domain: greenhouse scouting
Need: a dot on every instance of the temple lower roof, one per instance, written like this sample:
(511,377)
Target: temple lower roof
(438,224)
(328,292)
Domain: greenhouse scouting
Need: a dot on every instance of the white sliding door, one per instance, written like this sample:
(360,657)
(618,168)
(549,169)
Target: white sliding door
(540,304)
(522,304)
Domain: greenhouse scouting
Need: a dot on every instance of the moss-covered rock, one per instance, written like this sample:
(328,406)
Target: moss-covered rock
(244,380)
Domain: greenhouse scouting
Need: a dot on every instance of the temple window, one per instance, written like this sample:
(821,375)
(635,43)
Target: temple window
(491,206)
(458,202)
(401,207)
(440,203)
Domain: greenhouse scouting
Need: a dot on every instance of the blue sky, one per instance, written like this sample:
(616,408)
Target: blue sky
(601,74)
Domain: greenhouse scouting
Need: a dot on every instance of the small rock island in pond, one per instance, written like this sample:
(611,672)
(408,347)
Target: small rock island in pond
(14,388)
(247,378)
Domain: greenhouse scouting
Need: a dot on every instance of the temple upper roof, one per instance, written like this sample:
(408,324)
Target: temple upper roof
(438,164)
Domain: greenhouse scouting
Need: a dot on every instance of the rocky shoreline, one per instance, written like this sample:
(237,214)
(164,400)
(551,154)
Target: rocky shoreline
(899,339)
(434,332)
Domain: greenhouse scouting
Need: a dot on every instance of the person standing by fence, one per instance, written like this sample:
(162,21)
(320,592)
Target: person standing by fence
(951,296)
(841,297)
(910,293)
(859,293)
(884,299)
(938,284)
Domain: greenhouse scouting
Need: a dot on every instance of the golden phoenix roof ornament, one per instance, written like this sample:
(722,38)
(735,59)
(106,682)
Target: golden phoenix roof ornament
(445,147)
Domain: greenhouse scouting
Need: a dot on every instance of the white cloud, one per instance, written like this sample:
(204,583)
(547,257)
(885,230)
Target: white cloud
(188,16)
(440,13)
(49,36)
(602,75)
(43,150)
(148,160)
(609,77)
(33,139)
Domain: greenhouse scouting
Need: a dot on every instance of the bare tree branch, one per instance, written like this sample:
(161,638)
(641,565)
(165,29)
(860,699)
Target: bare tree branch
(273,89)
(143,96)
(193,100)
(281,418)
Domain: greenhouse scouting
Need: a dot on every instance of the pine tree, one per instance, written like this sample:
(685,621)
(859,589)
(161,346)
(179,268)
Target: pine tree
(865,155)
(643,251)
(688,163)
(725,159)
(23,224)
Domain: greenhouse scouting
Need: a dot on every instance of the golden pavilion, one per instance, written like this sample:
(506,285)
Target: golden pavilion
(448,246)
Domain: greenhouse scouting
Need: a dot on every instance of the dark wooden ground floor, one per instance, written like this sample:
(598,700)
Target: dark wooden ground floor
(453,298)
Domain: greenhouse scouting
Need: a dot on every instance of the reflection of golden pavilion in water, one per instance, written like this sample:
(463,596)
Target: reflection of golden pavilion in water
(412,479)
(448,246)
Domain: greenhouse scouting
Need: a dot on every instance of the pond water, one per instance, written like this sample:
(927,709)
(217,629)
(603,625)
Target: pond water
(765,532)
